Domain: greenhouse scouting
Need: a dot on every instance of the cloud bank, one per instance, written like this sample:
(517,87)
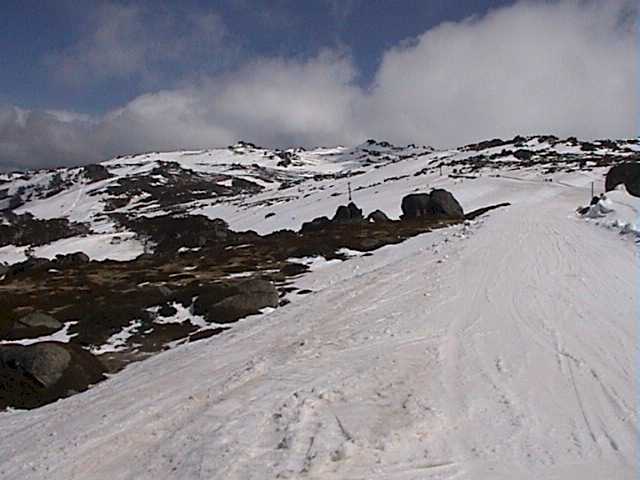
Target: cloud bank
(567,68)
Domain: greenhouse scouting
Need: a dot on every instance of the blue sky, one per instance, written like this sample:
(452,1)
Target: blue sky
(31,31)
(83,81)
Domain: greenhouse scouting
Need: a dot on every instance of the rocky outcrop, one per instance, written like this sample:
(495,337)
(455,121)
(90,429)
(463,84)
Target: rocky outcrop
(345,214)
(227,304)
(96,172)
(439,204)
(170,232)
(31,376)
(625,173)
(348,214)
(25,229)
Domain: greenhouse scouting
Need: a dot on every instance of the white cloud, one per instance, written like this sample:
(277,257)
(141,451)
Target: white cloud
(566,68)
(41,138)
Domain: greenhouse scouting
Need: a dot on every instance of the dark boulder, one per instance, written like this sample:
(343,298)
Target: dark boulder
(523,154)
(221,303)
(293,268)
(345,214)
(625,173)
(39,319)
(33,375)
(415,205)
(496,142)
(44,362)
(377,216)
(348,214)
(244,186)
(30,265)
(439,204)
(72,259)
(444,204)
(315,225)
(167,310)
(96,172)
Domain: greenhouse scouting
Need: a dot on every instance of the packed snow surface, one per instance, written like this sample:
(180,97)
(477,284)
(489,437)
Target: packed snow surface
(501,350)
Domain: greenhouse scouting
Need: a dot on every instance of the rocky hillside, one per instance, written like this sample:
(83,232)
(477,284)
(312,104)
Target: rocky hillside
(107,264)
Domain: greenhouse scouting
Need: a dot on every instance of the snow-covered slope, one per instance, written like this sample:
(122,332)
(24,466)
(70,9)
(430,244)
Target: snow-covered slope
(503,349)
(267,190)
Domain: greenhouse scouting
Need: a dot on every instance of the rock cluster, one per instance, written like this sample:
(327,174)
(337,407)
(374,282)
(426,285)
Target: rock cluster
(190,270)
(439,204)
(348,214)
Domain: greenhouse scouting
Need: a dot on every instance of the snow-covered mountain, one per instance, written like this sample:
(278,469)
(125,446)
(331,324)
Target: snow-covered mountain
(501,347)
(260,189)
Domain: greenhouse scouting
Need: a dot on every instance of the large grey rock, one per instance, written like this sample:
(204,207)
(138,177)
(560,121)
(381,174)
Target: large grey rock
(44,362)
(439,204)
(34,375)
(38,320)
(443,203)
(258,285)
(222,304)
(627,173)
(415,205)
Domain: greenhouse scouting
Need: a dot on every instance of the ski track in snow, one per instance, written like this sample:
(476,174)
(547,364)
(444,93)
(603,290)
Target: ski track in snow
(504,353)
